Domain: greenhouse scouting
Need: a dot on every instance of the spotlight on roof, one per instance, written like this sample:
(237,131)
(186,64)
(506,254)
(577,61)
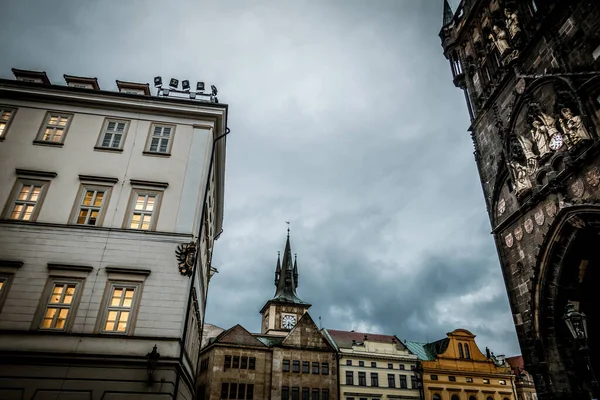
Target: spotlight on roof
(192,95)
(214,90)
(174,83)
(157,81)
(185,85)
(165,92)
(215,99)
(200,86)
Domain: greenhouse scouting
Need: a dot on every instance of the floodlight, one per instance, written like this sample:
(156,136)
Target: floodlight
(192,95)
(214,90)
(174,83)
(157,81)
(200,86)
(185,85)
(215,99)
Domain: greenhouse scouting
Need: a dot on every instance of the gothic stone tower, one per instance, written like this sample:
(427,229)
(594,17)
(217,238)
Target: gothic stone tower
(530,72)
(281,313)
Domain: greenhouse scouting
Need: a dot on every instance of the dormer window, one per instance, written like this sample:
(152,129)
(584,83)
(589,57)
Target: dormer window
(31,76)
(134,88)
(82,82)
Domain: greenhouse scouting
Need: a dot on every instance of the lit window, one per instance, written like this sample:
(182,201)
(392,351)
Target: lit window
(91,206)
(6,115)
(54,128)
(5,280)
(58,305)
(113,134)
(502,382)
(27,200)
(143,210)
(486,381)
(469,380)
(120,305)
(160,140)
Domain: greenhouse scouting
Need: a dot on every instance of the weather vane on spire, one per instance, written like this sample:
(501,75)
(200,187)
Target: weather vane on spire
(288,228)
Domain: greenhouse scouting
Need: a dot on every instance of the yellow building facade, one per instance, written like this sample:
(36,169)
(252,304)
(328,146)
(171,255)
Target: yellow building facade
(455,369)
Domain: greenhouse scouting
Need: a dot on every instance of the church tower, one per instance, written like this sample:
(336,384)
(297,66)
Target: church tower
(530,73)
(281,313)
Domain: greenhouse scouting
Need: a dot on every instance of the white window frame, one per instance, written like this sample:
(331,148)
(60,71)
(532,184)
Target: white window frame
(113,132)
(15,201)
(47,125)
(99,209)
(156,139)
(47,303)
(6,121)
(108,307)
(134,209)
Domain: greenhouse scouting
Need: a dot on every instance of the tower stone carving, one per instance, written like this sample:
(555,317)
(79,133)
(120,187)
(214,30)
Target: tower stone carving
(530,71)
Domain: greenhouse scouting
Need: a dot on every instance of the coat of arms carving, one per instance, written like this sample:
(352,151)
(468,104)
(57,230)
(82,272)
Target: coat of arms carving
(577,188)
(551,209)
(539,217)
(509,240)
(519,233)
(528,224)
(593,177)
(186,258)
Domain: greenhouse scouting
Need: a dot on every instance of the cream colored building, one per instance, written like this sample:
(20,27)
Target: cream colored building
(98,192)
(374,366)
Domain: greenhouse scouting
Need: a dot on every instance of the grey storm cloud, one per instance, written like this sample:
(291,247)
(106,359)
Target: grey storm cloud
(344,121)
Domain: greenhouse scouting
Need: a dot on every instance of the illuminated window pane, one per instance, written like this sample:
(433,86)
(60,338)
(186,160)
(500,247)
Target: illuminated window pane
(118,313)
(59,306)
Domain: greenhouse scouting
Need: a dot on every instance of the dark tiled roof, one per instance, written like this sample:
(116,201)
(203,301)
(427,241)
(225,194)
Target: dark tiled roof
(516,364)
(437,347)
(345,338)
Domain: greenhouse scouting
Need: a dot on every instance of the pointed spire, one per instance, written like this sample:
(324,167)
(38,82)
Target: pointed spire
(448,14)
(296,270)
(277,270)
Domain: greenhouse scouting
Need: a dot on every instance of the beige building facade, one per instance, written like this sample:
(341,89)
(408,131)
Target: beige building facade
(110,204)
(374,366)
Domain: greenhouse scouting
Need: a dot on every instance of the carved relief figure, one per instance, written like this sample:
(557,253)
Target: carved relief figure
(549,126)
(539,134)
(573,127)
(530,156)
(522,181)
(500,39)
(512,23)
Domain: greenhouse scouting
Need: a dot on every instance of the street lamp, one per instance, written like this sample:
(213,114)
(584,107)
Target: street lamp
(152,361)
(577,323)
(418,371)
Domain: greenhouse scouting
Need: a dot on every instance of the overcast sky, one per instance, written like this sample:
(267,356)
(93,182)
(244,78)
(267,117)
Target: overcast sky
(344,121)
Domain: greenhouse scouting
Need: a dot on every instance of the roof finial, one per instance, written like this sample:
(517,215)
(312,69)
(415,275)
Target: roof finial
(288,228)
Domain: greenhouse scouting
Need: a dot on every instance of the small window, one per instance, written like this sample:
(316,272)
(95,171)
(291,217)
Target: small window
(315,368)
(454,397)
(305,394)
(113,134)
(324,368)
(227,362)
(296,366)
(362,379)
(305,367)
(144,209)
(374,379)
(59,302)
(91,205)
(401,367)
(252,363)
(486,381)
(232,390)
(6,116)
(361,363)
(390,366)
(26,200)
(502,382)
(241,391)
(467,352)
(244,364)
(325,394)
(391,380)
(348,362)
(434,377)
(160,139)
(54,129)
(373,364)
(413,382)
(469,380)
(437,397)
(403,384)
(452,378)
(412,367)
(236,362)
(120,305)
(349,378)
(461,354)
(224,390)
(315,394)
(286,366)
(295,393)
(285,393)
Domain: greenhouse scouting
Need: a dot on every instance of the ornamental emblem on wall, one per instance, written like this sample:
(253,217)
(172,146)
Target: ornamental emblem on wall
(551,209)
(577,188)
(501,207)
(509,240)
(593,177)
(186,257)
(519,233)
(529,225)
(539,217)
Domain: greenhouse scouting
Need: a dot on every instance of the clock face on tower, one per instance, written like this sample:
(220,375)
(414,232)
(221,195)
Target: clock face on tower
(288,321)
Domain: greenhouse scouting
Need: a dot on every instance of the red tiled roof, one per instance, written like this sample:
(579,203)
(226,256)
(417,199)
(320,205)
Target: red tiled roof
(516,363)
(345,338)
